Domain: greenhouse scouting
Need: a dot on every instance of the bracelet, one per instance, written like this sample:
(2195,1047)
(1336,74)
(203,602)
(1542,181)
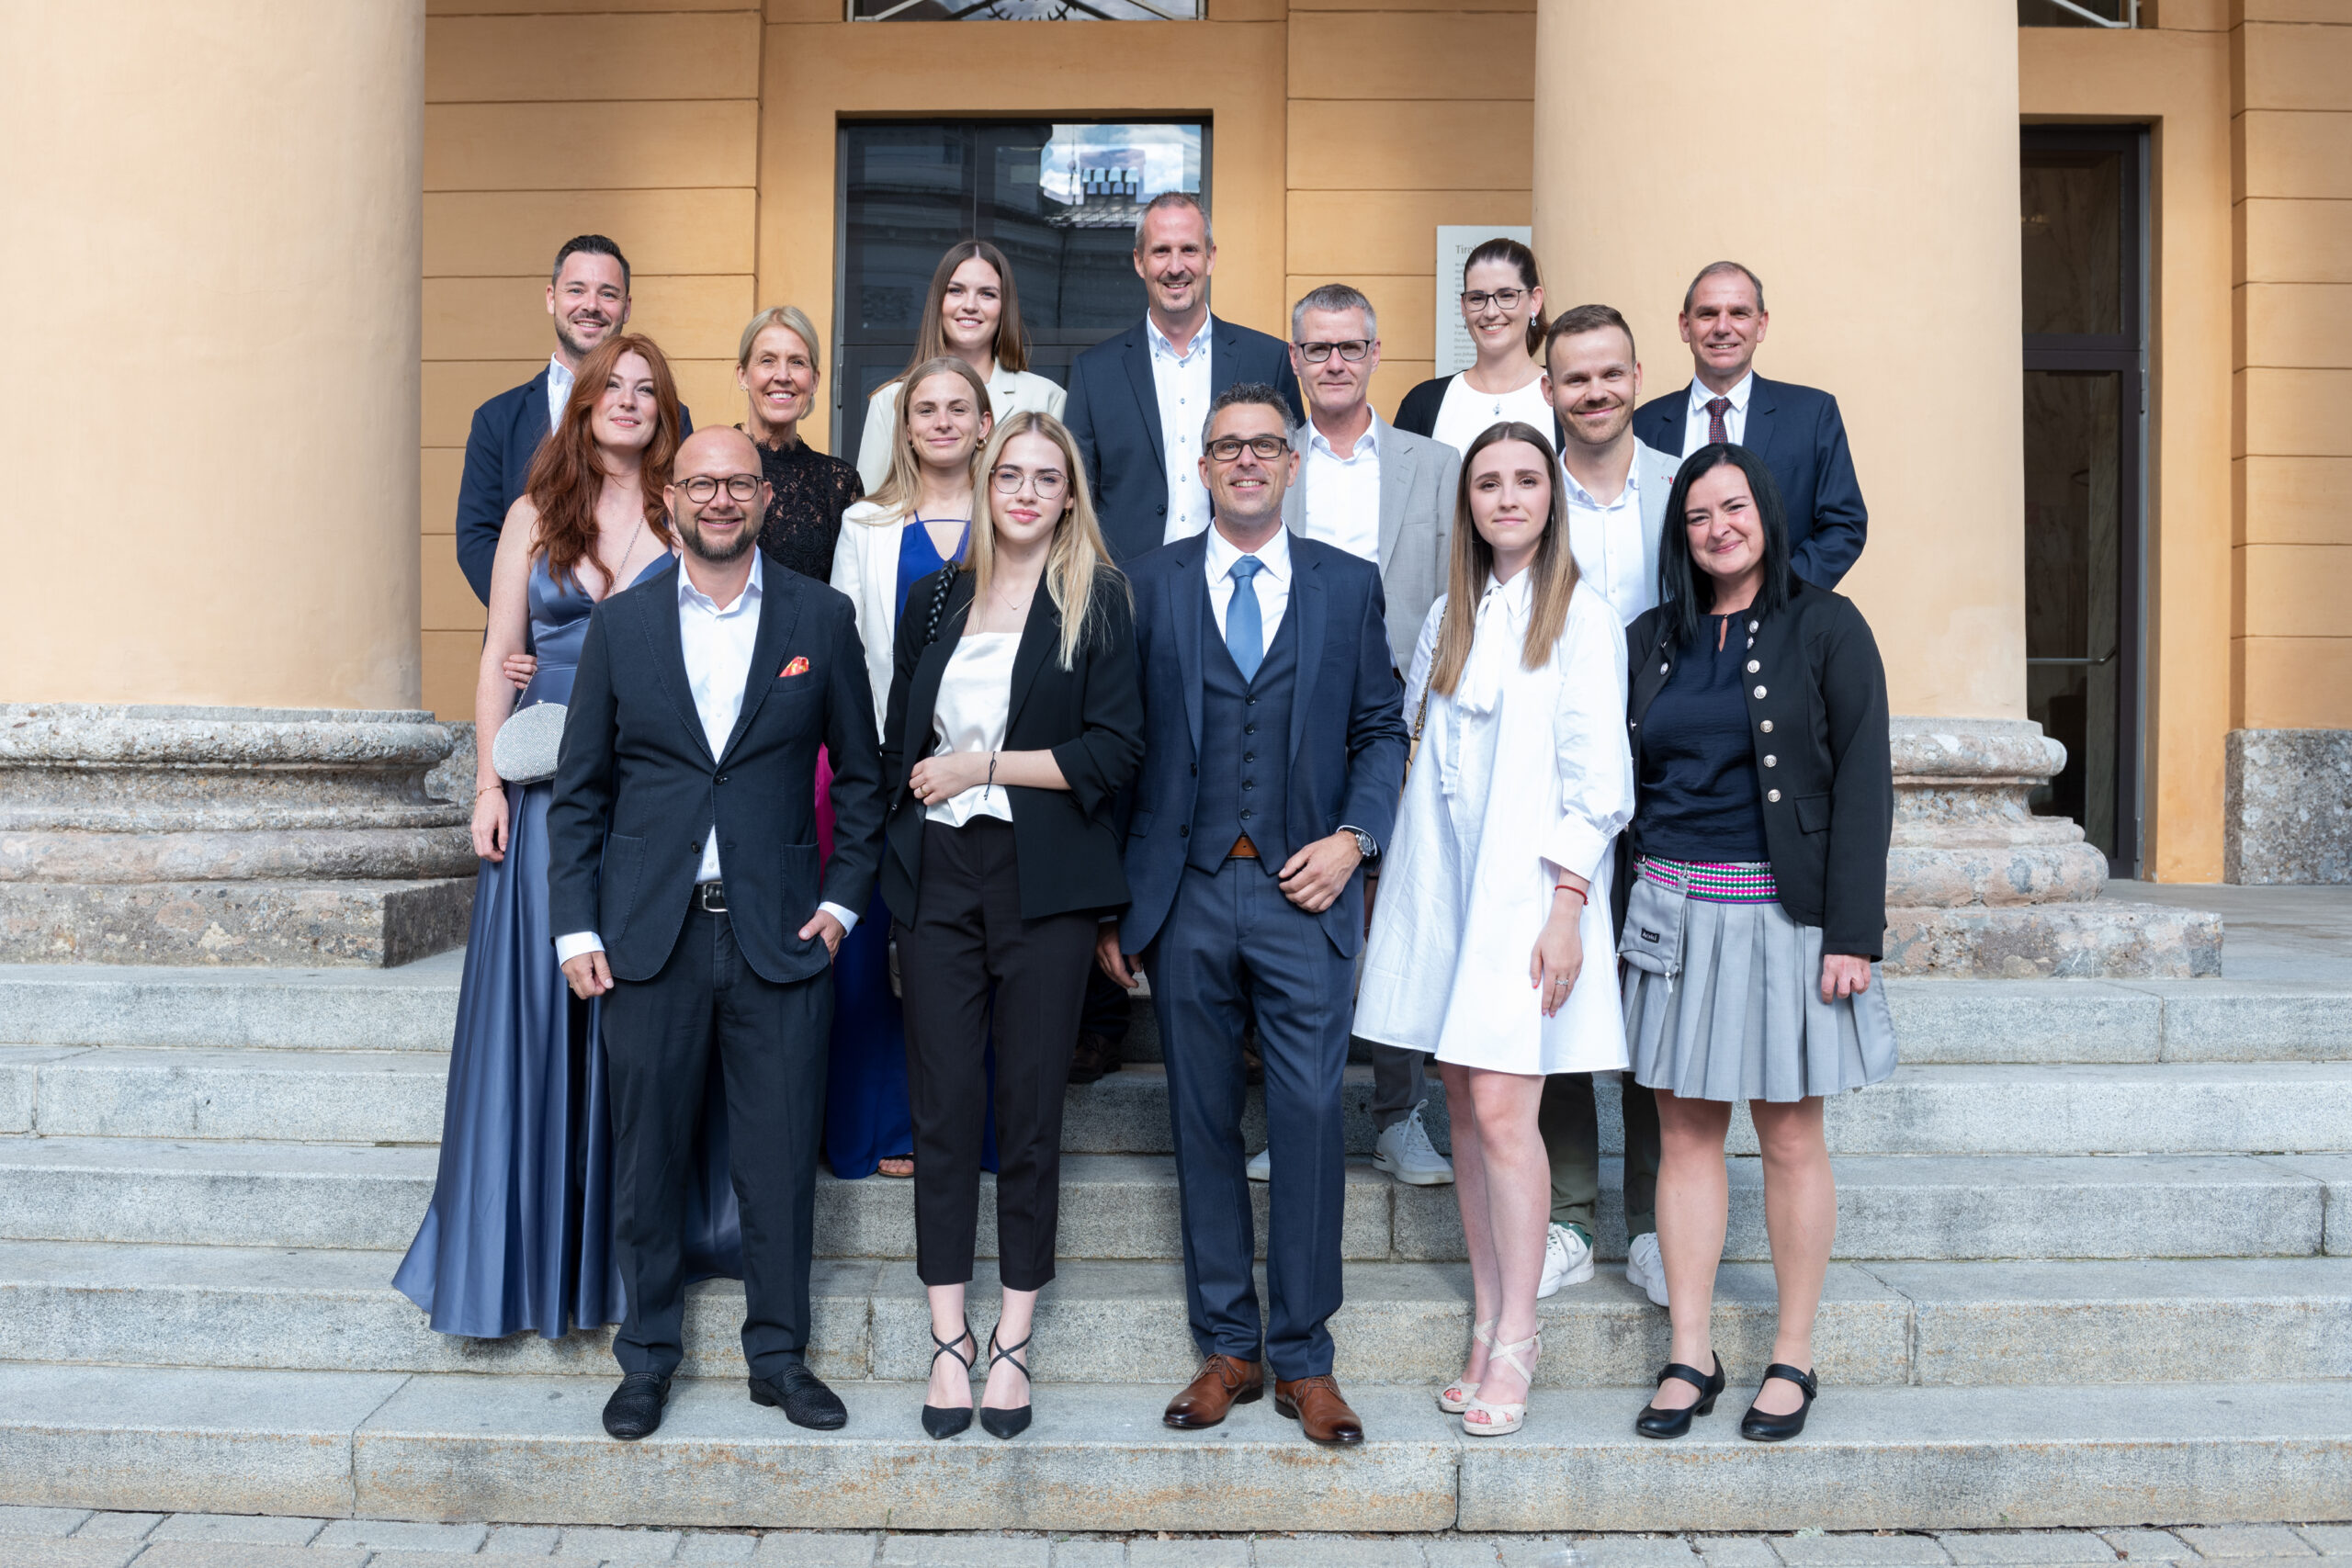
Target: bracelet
(1571,888)
(990,784)
(487,788)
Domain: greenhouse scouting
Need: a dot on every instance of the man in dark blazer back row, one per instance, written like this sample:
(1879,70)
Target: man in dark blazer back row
(589,299)
(1137,403)
(1796,430)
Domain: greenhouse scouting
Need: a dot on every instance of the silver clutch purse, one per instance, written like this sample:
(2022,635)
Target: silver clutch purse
(526,748)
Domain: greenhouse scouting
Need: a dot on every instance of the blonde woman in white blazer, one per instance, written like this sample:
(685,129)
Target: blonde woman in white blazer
(972,313)
(1490,944)
(918,520)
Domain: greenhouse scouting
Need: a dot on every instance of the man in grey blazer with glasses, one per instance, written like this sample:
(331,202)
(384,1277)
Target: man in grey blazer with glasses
(1387,496)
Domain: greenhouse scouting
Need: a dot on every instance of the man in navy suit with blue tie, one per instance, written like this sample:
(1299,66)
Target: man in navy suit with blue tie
(1796,430)
(588,296)
(1274,755)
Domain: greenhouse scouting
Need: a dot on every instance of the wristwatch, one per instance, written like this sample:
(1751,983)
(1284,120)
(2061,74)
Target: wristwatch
(1365,845)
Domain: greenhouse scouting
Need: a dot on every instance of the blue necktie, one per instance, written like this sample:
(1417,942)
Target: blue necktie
(1245,628)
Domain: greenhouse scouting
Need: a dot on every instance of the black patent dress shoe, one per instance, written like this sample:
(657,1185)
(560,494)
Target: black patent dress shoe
(1095,1056)
(1654,1422)
(1762,1427)
(803,1397)
(635,1409)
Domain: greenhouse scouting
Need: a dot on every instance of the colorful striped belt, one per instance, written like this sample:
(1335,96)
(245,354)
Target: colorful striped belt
(1714,882)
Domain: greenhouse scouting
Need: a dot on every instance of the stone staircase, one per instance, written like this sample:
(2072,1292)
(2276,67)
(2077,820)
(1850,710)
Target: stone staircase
(2094,1268)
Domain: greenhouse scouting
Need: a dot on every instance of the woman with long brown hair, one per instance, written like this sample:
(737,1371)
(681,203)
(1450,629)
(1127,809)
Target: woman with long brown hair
(1490,945)
(972,313)
(519,1233)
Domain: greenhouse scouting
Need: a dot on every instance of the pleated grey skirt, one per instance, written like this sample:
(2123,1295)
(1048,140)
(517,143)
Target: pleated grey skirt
(1744,1019)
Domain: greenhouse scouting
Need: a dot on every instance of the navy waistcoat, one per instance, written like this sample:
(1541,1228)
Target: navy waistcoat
(1245,749)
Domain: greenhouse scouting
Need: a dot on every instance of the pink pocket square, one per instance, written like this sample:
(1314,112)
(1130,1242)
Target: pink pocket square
(800,666)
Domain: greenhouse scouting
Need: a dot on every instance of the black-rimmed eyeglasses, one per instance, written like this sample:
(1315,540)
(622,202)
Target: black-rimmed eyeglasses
(1353,349)
(1501,298)
(1228,448)
(702,489)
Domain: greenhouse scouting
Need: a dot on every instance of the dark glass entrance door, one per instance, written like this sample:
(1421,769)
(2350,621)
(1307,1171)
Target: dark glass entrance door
(2085,383)
(1059,198)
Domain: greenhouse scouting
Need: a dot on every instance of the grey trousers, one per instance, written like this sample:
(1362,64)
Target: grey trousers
(1398,1083)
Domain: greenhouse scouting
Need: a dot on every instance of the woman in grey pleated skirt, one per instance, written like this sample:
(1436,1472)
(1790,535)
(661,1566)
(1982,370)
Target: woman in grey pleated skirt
(1754,908)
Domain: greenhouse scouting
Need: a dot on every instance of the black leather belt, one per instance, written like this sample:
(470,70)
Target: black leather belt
(711,898)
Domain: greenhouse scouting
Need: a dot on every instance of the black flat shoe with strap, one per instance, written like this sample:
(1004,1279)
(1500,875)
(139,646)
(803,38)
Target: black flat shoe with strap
(1762,1427)
(1013,1422)
(1654,1422)
(945,1421)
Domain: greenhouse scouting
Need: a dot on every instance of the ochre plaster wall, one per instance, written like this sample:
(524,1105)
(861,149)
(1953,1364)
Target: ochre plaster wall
(2291,138)
(1874,188)
(210,245)
(542,120)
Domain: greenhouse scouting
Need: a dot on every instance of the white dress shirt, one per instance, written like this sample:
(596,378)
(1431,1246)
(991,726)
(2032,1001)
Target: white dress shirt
(1341,506)
(1465,413)
(1606,541)
(559,380)
(969,714)
(718,645)
(1182,383)
(1695,424)
(1273,583)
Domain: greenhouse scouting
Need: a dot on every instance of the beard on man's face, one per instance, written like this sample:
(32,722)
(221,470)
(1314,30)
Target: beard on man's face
(690,533)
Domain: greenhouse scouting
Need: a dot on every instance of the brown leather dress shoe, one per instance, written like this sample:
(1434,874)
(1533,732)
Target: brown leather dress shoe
(1318,1407)
(1223,1382)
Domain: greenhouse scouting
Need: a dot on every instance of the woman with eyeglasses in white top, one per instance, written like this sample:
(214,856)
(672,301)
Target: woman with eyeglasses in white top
(1502,304)
(1015,719)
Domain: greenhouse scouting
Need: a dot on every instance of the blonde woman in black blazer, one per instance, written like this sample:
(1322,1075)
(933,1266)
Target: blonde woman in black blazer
(1015,719)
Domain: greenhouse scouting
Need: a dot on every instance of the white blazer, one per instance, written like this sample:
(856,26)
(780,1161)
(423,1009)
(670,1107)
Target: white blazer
(865,566)
(1010,392)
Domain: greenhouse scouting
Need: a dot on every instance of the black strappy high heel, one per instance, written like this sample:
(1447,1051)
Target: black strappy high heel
(1013,1422)
(1655,1423)
(1762,1426)
(942,1421)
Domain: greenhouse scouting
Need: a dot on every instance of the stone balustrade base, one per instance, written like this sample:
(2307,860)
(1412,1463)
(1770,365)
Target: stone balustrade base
(310,923)
(2110,938)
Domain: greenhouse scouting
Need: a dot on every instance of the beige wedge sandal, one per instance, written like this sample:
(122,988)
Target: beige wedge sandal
(1454,1398)
(1502,1419)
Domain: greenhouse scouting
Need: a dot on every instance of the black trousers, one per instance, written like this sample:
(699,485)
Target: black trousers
(967,940)
(662,1037)
(1569,1117)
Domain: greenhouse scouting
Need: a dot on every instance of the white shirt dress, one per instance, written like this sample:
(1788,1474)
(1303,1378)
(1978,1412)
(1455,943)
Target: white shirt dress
(1522,775)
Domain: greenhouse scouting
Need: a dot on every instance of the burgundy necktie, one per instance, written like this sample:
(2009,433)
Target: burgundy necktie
(1716,409)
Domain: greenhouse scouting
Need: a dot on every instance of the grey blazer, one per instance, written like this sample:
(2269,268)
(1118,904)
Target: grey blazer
(1419,477)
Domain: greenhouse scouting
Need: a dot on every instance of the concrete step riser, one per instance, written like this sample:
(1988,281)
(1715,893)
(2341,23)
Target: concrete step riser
(1891,1325)
(62,1091)
(517,1448)
(1125,1207)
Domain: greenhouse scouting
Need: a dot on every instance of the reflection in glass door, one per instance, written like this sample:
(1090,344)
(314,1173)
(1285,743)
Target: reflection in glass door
(2084,411)
(1060,200)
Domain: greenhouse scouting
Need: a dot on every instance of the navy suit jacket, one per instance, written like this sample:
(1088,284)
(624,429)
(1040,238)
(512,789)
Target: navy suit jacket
(506,433)
(1113,415)
(1347,723)
(1802,438)
(636,786)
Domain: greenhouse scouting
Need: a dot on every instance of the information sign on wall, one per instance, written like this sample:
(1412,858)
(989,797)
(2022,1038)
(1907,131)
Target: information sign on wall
(1454,244)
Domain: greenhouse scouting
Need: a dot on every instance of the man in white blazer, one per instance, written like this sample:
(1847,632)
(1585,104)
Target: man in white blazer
(1387,496)
(1615,488)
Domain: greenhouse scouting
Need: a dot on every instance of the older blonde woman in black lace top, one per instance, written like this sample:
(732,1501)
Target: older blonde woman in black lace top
(776,365)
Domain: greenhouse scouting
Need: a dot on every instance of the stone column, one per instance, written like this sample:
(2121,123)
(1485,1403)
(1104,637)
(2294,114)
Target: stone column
(1862,159)
(214,239)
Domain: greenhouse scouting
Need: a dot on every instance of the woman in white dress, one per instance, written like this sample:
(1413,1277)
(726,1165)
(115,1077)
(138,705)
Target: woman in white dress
(1490,945)
(1502,304)
(972,313)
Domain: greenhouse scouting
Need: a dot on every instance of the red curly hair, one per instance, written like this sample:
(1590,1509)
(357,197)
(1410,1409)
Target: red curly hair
(568,473)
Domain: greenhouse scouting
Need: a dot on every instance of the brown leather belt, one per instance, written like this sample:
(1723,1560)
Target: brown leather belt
(1242,849)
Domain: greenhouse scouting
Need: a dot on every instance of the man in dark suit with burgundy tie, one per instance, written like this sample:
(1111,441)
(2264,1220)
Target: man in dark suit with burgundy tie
(683,883)
(1796,430)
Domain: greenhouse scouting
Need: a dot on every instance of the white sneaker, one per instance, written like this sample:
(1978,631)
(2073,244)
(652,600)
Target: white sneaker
(1405,1152)
(1644,1268)
(1262,1166)
(1567,1261)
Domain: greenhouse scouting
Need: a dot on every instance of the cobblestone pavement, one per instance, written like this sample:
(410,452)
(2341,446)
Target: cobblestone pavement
(77,1538)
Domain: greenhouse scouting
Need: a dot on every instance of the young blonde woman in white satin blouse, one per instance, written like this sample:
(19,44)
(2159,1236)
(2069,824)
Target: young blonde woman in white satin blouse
(1490,945)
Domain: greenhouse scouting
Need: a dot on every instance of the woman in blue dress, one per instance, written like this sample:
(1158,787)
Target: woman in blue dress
(519,1233)
(917,522)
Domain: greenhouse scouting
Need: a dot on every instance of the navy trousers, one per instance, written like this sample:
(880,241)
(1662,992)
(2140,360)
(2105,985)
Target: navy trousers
(1233,946)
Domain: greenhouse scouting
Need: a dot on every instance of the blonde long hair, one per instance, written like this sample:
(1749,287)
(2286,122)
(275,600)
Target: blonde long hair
(898,489)
(1553,571)
(1077,560)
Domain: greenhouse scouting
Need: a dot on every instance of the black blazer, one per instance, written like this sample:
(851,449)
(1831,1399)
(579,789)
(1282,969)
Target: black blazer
(636,788)
(1817,707)
(1113,415)
(1418,412)
(1090,716)
(505,436)
(1802,437)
